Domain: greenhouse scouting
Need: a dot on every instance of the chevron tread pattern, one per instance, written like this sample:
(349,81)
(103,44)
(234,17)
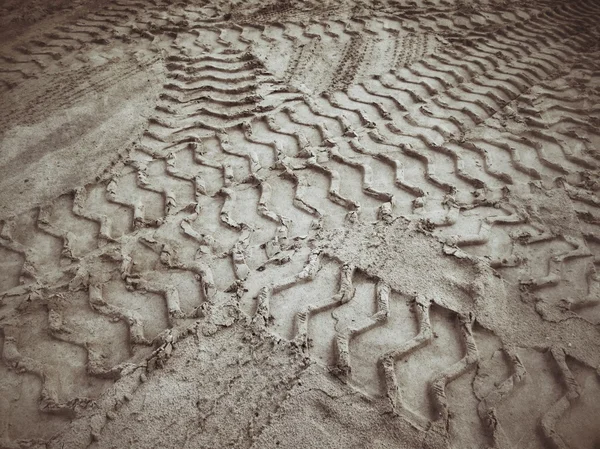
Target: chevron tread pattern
(471,131)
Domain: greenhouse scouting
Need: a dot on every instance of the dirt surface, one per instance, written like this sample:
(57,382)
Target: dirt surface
(300,224)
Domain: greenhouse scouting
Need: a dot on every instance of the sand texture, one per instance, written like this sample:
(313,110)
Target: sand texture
(300,224)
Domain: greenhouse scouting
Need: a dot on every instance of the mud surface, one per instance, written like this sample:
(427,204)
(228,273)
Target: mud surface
(300,224)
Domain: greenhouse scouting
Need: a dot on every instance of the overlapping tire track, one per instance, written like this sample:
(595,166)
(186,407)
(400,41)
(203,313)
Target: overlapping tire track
(247,167)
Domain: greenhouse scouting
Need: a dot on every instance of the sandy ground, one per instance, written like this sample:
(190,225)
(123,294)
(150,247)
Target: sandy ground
(301,224)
